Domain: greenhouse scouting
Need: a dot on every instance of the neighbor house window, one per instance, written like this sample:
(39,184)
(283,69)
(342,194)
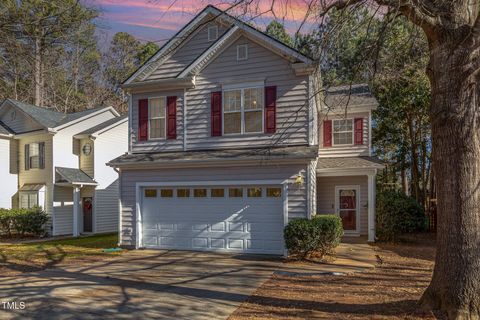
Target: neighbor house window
(212,33)
(156,117)
(343,132)
(34,155)
(28,200)
(242,52)
(243,111)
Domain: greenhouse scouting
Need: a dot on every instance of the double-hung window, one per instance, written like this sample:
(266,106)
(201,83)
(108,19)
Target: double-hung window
(156,118)
(343,132)
(243,111)
(28,200)
(34,155)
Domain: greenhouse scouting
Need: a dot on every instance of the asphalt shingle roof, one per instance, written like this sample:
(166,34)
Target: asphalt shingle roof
(349,163)
(71,175)
(50,118)
(103,125)
(354,95)
(257,154)
(4,129)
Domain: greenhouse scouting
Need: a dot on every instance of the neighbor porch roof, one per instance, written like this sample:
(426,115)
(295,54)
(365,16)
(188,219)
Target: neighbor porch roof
(71,176)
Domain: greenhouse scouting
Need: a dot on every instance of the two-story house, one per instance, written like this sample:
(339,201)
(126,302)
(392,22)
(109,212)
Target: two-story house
(224,132)
(57,161)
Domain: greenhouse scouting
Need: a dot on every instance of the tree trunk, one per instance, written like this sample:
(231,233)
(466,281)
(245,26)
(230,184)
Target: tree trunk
(37,78)
(455,285)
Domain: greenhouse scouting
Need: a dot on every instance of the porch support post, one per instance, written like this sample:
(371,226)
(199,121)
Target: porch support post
(371,207)
(76,210)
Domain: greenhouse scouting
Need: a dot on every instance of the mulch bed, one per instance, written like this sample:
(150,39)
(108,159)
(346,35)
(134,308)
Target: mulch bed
(390,291)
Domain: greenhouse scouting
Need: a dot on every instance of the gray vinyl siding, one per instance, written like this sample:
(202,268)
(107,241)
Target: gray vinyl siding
(63,210)
(106,208)
(349,150)
(326,196)
(297,194)
(188,52)
(263,65)
(157,144)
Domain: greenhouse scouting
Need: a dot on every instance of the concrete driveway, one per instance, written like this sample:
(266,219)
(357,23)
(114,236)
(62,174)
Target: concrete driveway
(141,284)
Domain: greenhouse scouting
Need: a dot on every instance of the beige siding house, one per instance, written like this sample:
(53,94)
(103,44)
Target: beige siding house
(228,142)
(57,161)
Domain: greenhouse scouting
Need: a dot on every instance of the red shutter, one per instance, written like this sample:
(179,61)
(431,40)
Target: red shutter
(216,115)
(358,130)
(270,109)
(327,133)
(142,119)
(172,117)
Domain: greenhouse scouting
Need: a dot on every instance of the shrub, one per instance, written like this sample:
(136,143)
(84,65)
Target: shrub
(318,235)
(398,214)
(22,221)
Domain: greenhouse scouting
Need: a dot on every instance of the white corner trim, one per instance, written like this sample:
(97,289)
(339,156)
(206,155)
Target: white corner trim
(285,211)
(184,119)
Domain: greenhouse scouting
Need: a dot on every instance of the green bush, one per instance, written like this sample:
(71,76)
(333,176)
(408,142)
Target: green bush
(398,214)
(318,235)
(22,221)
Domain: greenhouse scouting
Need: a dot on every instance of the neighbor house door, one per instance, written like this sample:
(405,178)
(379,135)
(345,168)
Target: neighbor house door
(347,206)
(87,215)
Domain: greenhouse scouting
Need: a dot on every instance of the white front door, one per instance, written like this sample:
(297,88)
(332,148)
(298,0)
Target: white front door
(347,204)
(226,218)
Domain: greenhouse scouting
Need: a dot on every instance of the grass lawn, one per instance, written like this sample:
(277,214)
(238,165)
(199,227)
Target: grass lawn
(18,258)
(390,291)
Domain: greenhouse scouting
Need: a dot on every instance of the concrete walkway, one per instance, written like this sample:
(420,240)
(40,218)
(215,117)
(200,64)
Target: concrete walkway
(148,284)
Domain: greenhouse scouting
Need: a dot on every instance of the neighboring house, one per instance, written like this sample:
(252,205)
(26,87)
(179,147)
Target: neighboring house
(57,161)
(224,144)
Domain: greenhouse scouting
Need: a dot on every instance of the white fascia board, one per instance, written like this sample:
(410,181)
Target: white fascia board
(173,41)
(252,31)
(88,116)
(210,53)
(350,109)
(95,135)
(346,172)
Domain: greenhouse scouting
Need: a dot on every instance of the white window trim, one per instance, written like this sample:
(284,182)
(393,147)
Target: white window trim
(164,119)
(209,34)
(242,112)
(246,52)
(333,132)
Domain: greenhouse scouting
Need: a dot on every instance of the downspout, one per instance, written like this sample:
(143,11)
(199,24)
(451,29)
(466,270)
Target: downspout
(130,128)
(185,119)
(119,206)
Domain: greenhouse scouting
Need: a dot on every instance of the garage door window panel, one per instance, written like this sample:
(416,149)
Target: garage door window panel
(217,193)
(274,192)
(150,193)
(183,193)
(200,193)
(254,192)
(235,192)
(166,193)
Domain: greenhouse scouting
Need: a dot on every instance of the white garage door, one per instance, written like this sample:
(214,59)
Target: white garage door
(231,218)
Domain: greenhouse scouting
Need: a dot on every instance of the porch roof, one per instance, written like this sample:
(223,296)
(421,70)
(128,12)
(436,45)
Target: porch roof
(216,156)
(326,164)
(31,187)
(72,176)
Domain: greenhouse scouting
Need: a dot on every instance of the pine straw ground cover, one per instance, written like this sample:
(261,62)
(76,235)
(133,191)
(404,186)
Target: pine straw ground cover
(390,291)
(27,257)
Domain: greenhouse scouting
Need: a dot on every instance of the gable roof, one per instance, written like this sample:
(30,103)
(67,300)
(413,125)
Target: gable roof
(5,130)
(103,126)
(73,176)
(50,118)
(170,46)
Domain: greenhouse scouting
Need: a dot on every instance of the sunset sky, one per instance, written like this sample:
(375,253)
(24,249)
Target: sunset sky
(157,20)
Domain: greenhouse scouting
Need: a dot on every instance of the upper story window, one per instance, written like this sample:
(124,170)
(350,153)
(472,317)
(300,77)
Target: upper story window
(243,111)
(212,33)
(156,118)
(35,156)
(343,132)
(242,52)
